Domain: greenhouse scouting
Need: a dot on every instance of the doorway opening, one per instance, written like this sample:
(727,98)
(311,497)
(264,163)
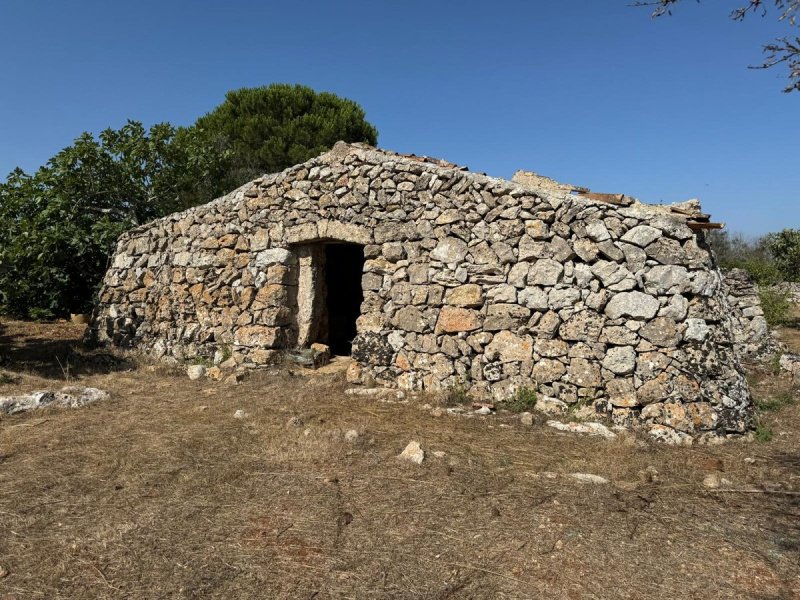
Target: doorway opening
(344,265)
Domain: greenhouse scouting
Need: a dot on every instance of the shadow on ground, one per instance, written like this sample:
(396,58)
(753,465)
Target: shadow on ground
(28,347)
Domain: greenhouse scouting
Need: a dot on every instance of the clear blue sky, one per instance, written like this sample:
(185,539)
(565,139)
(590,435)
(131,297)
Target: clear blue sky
(592,92)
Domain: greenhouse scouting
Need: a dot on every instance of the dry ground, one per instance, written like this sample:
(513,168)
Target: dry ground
(161,493)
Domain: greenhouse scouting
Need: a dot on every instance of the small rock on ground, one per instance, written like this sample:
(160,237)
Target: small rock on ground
(195,372)
(351,435)
(413,453)
(585,428)
(669,436)
(551,406)
(588,478)
(715,481)
(526,418)
(240,414)
(67,397)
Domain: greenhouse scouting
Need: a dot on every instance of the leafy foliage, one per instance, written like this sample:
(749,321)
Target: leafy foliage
(783,50)
(59,225)
(769,259)
(775,304)
(267,129)
(523,400)
(785,248)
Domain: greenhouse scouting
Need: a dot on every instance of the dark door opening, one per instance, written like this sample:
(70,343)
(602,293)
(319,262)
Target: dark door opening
(344,264)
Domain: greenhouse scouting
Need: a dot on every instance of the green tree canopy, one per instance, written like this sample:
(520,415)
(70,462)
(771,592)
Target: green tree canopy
(785,247)
(59,225)
(267,129)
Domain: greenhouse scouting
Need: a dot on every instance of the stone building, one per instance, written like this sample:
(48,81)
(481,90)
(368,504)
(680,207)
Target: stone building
(433,276)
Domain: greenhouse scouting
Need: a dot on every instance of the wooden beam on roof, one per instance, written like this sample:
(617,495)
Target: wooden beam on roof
(618,199)
(698,226)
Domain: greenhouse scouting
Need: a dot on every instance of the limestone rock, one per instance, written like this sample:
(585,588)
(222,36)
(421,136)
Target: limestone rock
(545,272)
(67,397)
(636,305)
(590,428)
(661,331)
(453,319)
(450,250)
(669,436)
(550,406)
(412,453)
(548,370)
(195,372)
(642,235)
(469,295)
(620,360)
(697,330)
(506,347)
(589,478)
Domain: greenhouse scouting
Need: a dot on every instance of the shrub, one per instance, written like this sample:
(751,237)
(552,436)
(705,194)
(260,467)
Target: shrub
(785,247)
(763,433)
(775,304)
(523,400)
(776,402)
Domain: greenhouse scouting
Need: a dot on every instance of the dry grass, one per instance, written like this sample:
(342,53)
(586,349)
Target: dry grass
(161,493)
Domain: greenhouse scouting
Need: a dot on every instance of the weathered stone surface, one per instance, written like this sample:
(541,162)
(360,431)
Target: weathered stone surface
(548,370)
(195,372)
(642,235)
(697,330)
(259,335)
(584,373)
(67,397)
(545,272)
(505,347)
(453,319)
(666,251)
(505,316)
(661,331)
(464,278)
(450,250)
(551,348)
(551,406)
(534,298)
(597,429)
(372,349)
(632,304)
(280,256)
(412,453)
(667,279)
(655,390)
(582,326)
(409,318)
(597,231)
(620,360)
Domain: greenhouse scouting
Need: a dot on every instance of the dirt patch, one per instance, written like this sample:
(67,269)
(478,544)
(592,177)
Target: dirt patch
(161,493)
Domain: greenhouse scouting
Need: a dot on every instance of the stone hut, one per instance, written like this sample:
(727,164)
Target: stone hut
(432,276)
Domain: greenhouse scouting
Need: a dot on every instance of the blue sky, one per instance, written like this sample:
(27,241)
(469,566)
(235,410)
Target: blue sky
(591,92)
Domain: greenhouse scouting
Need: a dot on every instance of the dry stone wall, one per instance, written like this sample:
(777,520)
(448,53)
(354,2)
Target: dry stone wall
(468,280)
(751,335)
